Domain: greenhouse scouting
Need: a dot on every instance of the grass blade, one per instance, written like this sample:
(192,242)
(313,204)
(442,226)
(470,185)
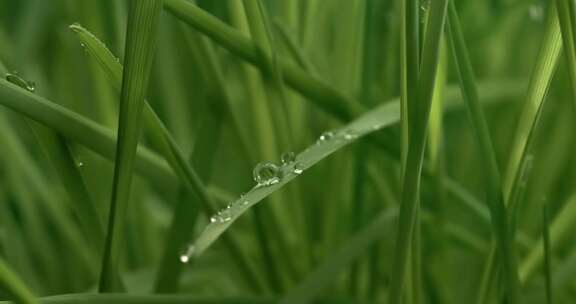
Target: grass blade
(541,77)
(492,178)
(16,289)
(140,46)
(326,97)
(81,130)
(418,121)
(163,141)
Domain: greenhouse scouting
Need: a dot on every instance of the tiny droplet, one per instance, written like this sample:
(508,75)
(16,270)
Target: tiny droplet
(325,136)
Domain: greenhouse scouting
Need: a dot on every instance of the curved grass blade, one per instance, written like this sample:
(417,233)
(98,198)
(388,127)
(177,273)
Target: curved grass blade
(16,289)
(379,118)
(81,130)
(163,141)
(492,177)
(140,46)
(326,97)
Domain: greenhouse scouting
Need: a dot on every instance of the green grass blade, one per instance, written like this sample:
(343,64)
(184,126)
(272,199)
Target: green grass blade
(81,130)
(163,141)
(140,46)
(492,178)
(566,28)
(541,77)
(372,121)
(418,120)
(12,284)
(326,97)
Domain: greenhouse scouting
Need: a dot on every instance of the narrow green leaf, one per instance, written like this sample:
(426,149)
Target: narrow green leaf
(140,46)
(163,141)
(12,284)
(492,178)
(326,97)
(546,62)
(418,121)
(82,130)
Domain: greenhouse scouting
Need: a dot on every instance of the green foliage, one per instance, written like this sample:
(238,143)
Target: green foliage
(306,151)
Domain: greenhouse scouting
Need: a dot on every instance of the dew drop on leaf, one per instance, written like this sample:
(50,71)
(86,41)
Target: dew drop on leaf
(287,158)
(326,136)
(266,174)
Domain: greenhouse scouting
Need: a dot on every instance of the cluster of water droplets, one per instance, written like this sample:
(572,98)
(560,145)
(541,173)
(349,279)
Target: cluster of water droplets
(16,79)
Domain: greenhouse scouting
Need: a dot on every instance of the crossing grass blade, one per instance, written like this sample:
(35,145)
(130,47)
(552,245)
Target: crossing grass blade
(140,46)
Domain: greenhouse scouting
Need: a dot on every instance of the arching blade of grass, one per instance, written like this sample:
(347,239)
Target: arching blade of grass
(163,141)
(547,254)
(11,283)
(418,122)
(140,46)
(81,130)
(492,177)
(372,121)
(326,97)
(541,77)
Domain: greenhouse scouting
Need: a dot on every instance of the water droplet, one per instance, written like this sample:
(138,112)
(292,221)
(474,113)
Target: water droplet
(298,169)
(424,7)
(325,136)
(80,164)
(185,257)
(266,174)
(244,203)
(222,216)
(350,135)
(287,158)
(376,127)
(14,78)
